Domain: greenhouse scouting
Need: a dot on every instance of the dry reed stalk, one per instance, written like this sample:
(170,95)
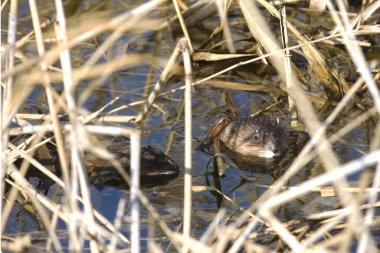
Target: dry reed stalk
(78,175)
(135,186)
(43,216)
(32,193)
(53,115)
(190,243)
(116,131)
(306,155)
(318,181)
(354,50)
(104,118)
(66,62)
(236,246)
(209,233)
(183,25)
(362,16)
(135,18)
(90,72)
(212,188)
(326,191)
(187,207)
(158,86)
(59,182)
(218,157)
(11,40)
(207,56)
(343,24)
(330,78)
(222,8)
(288,69)
(366,242)
(13,193)
(117,223)
(274,52)
(128,61)
(172,133)
(5,96)
(134,159)
(82,36)
(38,165)
(321,232)
(341,213)
(69,85)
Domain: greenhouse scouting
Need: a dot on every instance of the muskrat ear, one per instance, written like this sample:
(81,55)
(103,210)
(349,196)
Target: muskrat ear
(215,130)
(213,134)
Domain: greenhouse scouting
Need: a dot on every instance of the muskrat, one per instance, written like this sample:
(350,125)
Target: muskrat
(253,136)
(156,168)
(252,142)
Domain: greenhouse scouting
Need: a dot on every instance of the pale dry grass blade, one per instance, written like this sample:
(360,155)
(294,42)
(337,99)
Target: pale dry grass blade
(367,243)
(183,25)
(288,69)
(135,185)
(117,223)
(245,87)
(262,34)
(222,8)
(207,56)
(77,174)
(5,96)
(187,207)
(211,230)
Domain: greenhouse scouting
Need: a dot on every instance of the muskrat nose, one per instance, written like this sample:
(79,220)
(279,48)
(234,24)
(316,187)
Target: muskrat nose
(271,150)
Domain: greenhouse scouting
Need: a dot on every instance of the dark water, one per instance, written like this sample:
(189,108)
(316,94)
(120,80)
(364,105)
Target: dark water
(164,131)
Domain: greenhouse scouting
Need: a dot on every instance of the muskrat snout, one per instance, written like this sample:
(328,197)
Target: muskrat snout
(271,149)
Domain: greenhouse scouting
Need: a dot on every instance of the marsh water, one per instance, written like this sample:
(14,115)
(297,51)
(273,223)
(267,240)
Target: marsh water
(164,125)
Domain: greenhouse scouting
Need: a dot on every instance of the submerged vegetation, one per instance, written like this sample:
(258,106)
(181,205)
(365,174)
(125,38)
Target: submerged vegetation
(171,74)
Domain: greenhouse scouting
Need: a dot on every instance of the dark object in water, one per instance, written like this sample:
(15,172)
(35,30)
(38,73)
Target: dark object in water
(253,136)
(156,168)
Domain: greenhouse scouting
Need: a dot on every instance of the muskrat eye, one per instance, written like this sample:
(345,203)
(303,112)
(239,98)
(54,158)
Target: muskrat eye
(256,137)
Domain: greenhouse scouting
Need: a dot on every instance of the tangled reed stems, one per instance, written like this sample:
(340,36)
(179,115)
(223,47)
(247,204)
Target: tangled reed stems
(67,55)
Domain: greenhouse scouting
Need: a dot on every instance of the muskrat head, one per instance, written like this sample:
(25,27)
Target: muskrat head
(253,136)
